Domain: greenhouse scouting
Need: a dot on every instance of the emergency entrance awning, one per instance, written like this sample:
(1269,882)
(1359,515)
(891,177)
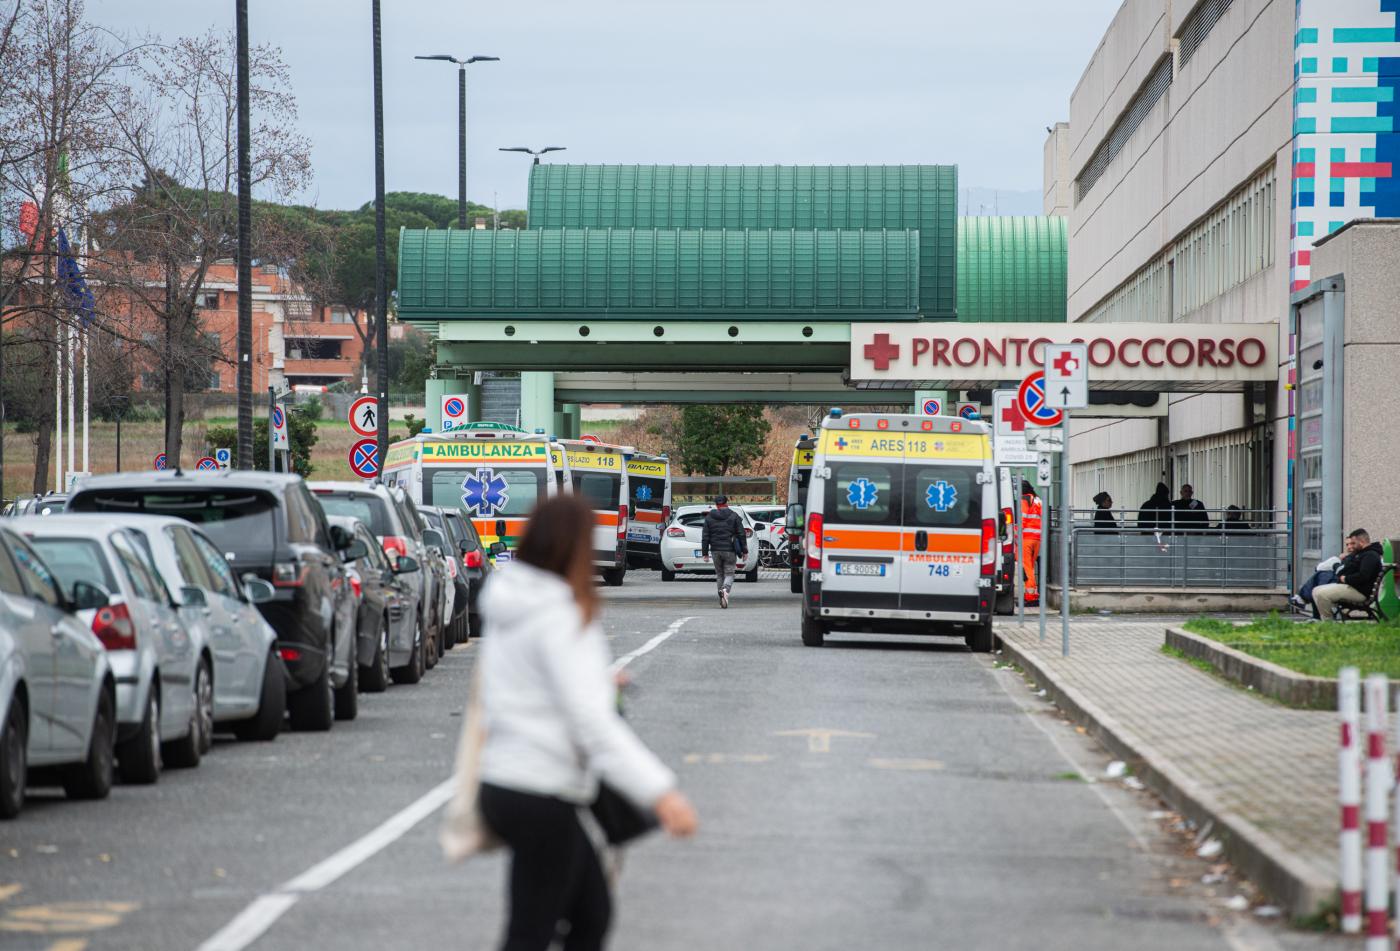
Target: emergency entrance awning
(1178,358)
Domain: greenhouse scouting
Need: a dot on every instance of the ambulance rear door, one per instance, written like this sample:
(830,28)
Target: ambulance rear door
(942,525)
(861,520)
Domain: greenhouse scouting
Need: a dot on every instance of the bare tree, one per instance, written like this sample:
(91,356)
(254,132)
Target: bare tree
(180,129)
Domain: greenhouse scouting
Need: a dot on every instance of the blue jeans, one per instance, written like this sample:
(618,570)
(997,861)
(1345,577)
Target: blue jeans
(1318,578)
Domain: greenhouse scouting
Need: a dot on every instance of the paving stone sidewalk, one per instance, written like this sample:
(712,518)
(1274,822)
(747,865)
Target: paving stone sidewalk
(1264,774)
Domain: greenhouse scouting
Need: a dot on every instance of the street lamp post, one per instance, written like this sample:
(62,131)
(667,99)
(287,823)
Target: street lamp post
(119,403)
(535,152)
(462,65)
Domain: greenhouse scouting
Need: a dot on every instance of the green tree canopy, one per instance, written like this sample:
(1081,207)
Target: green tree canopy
(719,440)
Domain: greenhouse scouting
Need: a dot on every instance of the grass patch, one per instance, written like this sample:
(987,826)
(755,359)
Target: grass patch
(1069,776)
(1197,662)
(1318,650)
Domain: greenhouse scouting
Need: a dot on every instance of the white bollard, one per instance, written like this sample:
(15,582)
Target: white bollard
(1349,783)
(1378,790)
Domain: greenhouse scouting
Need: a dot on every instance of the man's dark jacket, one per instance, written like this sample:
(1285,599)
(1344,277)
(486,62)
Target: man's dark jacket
(722,526)
(1361,568)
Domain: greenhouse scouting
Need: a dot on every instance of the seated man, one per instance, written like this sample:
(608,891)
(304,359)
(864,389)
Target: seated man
(1356,577)
(1326,573)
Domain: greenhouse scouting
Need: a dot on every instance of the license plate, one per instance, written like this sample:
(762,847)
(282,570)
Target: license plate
(850,568)
(638,537)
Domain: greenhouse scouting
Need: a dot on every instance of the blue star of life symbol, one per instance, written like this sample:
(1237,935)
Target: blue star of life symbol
(862,493)
(941,495)
(485,492)
(643,493)
(841,442)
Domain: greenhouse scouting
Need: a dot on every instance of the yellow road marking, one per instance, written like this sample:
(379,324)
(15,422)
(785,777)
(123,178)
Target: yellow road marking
(717,758)
(66,917)
(819,740)
(69,944)
(904,764)
(9,891)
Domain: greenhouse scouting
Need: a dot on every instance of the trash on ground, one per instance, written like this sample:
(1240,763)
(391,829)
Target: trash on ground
(1237,903)
(1132,782)
(1269,911)
(1116,769)
(1210,849)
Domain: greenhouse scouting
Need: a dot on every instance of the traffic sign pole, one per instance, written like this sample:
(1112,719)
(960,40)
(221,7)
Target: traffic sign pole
(1064,544)
(1020,567)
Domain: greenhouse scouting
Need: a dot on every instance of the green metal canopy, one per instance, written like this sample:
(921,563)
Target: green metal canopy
(637,273)
(1012,269)
(921,197)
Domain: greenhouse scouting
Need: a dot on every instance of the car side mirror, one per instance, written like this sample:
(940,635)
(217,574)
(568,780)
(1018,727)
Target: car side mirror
(341,537)
(432,538)
(256,590)
(465,546)
(407,564)
(192,597)
(497,548)
(89,597)
(354,551)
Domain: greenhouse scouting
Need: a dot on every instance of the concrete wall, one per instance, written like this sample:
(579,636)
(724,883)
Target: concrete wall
(1226,117)
(1058,191)
(1367,256)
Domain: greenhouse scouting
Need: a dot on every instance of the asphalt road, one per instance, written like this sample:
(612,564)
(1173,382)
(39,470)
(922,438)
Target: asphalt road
(878,793)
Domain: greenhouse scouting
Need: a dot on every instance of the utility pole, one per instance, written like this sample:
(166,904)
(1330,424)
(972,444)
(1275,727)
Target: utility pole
(245,246)
(381,287)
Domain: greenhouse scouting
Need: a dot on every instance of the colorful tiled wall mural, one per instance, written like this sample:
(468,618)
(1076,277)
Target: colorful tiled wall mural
(1346,120)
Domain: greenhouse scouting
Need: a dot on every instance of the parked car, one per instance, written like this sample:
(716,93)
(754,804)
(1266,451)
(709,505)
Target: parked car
(249,689)
(475,564)
(161,663)
(385,602)
(268,526)
(456,630)
(58,695)
(399,538)
(770,528)
(680,545)
(435,580)
(46,504)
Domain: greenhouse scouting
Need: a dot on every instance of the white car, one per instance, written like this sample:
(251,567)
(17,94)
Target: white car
(58,698)
(769,524)
(680,545)
(249,689)
(147,644)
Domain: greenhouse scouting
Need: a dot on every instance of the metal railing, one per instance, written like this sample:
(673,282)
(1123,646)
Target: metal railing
(1211,549)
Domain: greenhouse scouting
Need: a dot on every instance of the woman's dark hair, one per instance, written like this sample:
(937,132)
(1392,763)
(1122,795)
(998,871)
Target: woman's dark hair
(559,539)
(1027,488)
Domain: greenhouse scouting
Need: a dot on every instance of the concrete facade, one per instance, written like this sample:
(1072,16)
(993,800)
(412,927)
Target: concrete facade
(1059,179)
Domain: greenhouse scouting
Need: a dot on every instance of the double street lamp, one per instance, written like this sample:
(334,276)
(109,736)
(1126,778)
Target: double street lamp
(462,65)
(535,152)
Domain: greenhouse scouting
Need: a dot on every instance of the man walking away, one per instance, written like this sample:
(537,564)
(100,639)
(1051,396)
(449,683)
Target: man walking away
(1155,513)
(1188,511)
(1356,578)
(722,539)
(1031,511)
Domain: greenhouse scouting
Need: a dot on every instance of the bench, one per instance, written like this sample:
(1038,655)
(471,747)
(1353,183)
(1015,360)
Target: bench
(1371,610)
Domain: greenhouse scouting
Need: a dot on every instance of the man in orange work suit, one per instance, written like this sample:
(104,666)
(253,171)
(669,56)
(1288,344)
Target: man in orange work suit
(1030,539)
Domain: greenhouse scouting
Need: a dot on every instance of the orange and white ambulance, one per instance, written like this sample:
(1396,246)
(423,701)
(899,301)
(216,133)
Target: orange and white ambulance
(649,509)
(598,472)
(901,532)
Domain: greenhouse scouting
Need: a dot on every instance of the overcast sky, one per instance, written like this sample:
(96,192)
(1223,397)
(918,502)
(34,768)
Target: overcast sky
(665,81)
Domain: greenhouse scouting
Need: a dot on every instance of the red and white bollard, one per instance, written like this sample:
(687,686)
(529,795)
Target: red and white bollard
(1349,782)
(1378,792)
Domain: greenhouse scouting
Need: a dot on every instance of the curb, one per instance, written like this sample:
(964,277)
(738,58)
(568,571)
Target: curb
(1258,855)
(1299,691)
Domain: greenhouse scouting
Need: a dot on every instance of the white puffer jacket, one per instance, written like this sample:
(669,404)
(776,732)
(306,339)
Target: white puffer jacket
(548,699)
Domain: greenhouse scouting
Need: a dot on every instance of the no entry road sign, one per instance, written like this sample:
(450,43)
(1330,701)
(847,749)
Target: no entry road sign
(1030,397)
(364,458)
(207,464)
(364,416)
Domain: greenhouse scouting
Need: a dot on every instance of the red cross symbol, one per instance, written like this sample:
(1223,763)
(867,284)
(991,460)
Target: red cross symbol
(1066,364)
(1011,415)
(881,351)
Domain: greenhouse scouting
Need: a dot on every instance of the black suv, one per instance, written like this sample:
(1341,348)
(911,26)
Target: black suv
(269,526)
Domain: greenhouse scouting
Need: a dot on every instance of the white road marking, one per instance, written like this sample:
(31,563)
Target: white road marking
(253,922)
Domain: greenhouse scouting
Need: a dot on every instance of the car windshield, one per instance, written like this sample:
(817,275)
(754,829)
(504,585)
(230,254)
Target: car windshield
(241,523)
(371,510)
(74,560)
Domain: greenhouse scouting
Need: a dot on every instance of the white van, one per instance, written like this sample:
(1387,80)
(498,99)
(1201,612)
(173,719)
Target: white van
(901,528)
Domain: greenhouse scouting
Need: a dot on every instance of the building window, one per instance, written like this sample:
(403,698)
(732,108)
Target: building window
(213,379)
(209,300)
(1197,27)
(1153,89)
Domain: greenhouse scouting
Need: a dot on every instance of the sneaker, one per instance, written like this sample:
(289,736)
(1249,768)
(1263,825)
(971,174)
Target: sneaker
(1298,602)
(724,599)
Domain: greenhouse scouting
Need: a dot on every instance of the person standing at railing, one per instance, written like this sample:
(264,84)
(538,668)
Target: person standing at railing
(1031,514)
(1103,515)
(1234,521)
(1188,512)
(1156,513)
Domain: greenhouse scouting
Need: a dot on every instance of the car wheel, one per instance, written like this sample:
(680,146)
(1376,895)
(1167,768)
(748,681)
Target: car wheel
(185,752)
(375,677)
(272,704)
(473,626)
(751,576)
(14,759)
(813,632)
(667,575)
(92,778)
(982,640)
(612,577)
(138,759)
(312,708)
(430,649)
(347,695)
(795,582)
(412,672)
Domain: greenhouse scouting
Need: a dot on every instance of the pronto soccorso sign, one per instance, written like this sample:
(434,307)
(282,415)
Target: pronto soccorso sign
(1202,355)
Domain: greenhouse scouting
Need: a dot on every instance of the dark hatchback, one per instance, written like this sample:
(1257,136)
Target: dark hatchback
(465,548)
(268,525)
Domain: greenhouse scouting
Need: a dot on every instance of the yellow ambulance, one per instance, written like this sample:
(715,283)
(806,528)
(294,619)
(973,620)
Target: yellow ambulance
(901,528)
(598,472)
(649,508)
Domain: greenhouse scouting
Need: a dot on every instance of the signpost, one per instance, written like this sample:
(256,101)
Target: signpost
(454,412)
(364,458)
(279,428)
(1066,387)
(159,462)
(1030,399)
(969,410)
(1009,440)
(932,407)
(224,457)
(364,416)
(207,464)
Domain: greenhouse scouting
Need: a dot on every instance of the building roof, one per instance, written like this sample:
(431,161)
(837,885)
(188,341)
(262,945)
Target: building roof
(642,273)
(897,197)
(1012,269)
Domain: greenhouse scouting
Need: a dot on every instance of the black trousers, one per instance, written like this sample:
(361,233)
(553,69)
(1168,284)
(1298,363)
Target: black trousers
(555,875)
